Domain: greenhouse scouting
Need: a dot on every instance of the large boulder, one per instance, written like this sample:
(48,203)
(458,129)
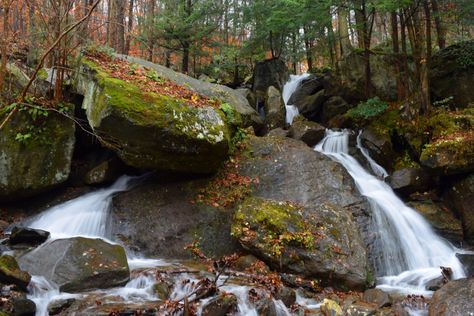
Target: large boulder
(235,98)
(307,131)
(453,299)
(451,74)
(461,196)
(149,130)
(308,87)
(161,216)
(409,180)
(310,106)
(441,219)
(379,145)
(78,264)
(270,72)
(315,241)
(333,107)
(34,159)
(275,112)
(289,170)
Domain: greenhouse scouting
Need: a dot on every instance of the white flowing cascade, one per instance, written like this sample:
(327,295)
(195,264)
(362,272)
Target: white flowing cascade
(411,253)
(84,216)
(288,89)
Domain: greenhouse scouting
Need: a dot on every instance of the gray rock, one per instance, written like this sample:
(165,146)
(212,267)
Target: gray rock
(57,306)
(334,106)
(28,236)
(105,172)
(380,147)
(23,307)
(377,297)
(461,196)
(275,111)
(361,309)
(409,180)
(308,87)
(270,72)
(78,264)
(453,299)
(278,132)
(310,106)
(222,305)
(467,261)
(307,131)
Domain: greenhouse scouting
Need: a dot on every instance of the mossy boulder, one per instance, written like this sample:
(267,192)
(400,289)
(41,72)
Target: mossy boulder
(35,155)
(320,241)
(78,264)
(451,74)
(149,130)
(307,131)
(10,273)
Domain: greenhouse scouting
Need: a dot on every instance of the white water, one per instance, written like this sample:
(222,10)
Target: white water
(376,168)
(411,253)
(84,216)
(288,89)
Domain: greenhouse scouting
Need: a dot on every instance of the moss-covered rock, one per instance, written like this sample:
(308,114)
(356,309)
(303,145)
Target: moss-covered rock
(320,241)
(152,131)
(10,273)
(35,155)
(78,264)
(451,72)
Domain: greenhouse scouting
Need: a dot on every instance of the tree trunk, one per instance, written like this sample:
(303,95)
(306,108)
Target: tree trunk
(185,61)
(343,31)
(129,27)
(4,50)
(440,31)
(151,27)
(426,7)
(116,25)
(308,48)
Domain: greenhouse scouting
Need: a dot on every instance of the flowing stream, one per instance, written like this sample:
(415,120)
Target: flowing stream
(288,89)
(411,253)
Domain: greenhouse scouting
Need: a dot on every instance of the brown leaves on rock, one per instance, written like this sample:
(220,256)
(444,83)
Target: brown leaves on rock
(148,80)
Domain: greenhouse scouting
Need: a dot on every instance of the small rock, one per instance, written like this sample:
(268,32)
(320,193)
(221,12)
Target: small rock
(162,290)
(377,297)
(251,262)
(361,309)
(28,236)
(10,272)
(467,261)
(57,306)
(266,307)
(23,307)
(409,180)
(286,295)
(278,132)
(309,132)
(222,305)
(331,308)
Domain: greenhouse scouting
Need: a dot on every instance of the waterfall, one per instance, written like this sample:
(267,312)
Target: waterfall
(288,89)
(84,216)
(411,253)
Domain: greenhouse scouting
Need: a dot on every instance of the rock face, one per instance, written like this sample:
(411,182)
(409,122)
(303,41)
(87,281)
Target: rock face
(288,170)
(310,106)
(451,74)
(441,219)
(151,131)
(236,99)
(38,163)
(161,216)
(461,196)
(10,273)
(307,131)
(334,106)
(275,112)
(308,87)
(320,241)
(79,264)
(379,145)
(453,299)
(409,180)
(271,72)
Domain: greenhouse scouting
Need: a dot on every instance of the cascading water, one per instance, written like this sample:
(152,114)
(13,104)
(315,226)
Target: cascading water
(411,253)
(288,89)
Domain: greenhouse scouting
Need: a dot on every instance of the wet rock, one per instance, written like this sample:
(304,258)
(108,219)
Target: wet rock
(331,308)
(105,172)
(453,299)
(266,307)
(309,86)
(162,290)
(153,131)
(316,242)
(79,264)
(23,307)
(250,262)
(10,273)
(451,75)
(377,297)
(30,167)
(379,145)
(467,261)
(278,132)
(307,131)
(409,180)
(28,236)
(286,295)
(167,209)
(275,111)
(436,284)
(310,106)
(57,306)
(361,309)
(461,196)
(222,305)
(270,72)
(334,106)
(441,219)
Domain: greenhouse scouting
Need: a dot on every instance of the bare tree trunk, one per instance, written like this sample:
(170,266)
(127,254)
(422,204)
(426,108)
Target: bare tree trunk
(396,51)
(116,25)
(4,48)
(343,30)
(308,48)
(129,27)
(151,28)
(439,25)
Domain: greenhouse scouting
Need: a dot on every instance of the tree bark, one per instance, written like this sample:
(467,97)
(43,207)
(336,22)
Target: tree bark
(343,31)
(440,31)
(116,25)
(129,27)
(4,48)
